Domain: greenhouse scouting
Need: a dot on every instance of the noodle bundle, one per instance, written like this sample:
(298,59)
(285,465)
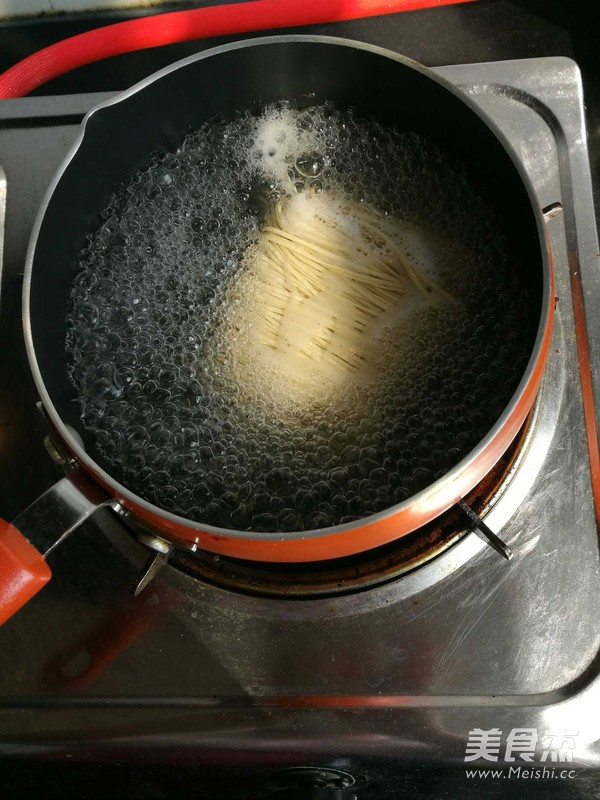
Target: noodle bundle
(324,281)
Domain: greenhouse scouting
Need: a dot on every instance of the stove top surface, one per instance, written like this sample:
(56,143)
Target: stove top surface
(403,672)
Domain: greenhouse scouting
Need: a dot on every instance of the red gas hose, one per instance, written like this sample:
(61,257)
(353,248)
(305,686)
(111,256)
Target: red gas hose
(181,26)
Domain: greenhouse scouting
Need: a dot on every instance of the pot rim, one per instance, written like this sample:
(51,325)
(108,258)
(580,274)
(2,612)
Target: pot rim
(449,486)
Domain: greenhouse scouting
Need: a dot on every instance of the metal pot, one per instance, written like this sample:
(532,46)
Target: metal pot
(115,140)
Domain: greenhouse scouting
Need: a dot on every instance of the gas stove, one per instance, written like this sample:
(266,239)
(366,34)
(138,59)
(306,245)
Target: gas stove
(461,674)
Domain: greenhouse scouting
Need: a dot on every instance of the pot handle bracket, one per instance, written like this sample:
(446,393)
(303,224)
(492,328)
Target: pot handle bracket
(37,531)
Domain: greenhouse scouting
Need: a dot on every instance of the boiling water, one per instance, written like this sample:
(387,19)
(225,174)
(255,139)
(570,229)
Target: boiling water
(155,295)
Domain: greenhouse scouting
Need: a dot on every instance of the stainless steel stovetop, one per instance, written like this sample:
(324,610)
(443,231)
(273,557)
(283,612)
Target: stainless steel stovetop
(468,663)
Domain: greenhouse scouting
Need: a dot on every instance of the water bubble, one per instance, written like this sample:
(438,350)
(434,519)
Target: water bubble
(309,164)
